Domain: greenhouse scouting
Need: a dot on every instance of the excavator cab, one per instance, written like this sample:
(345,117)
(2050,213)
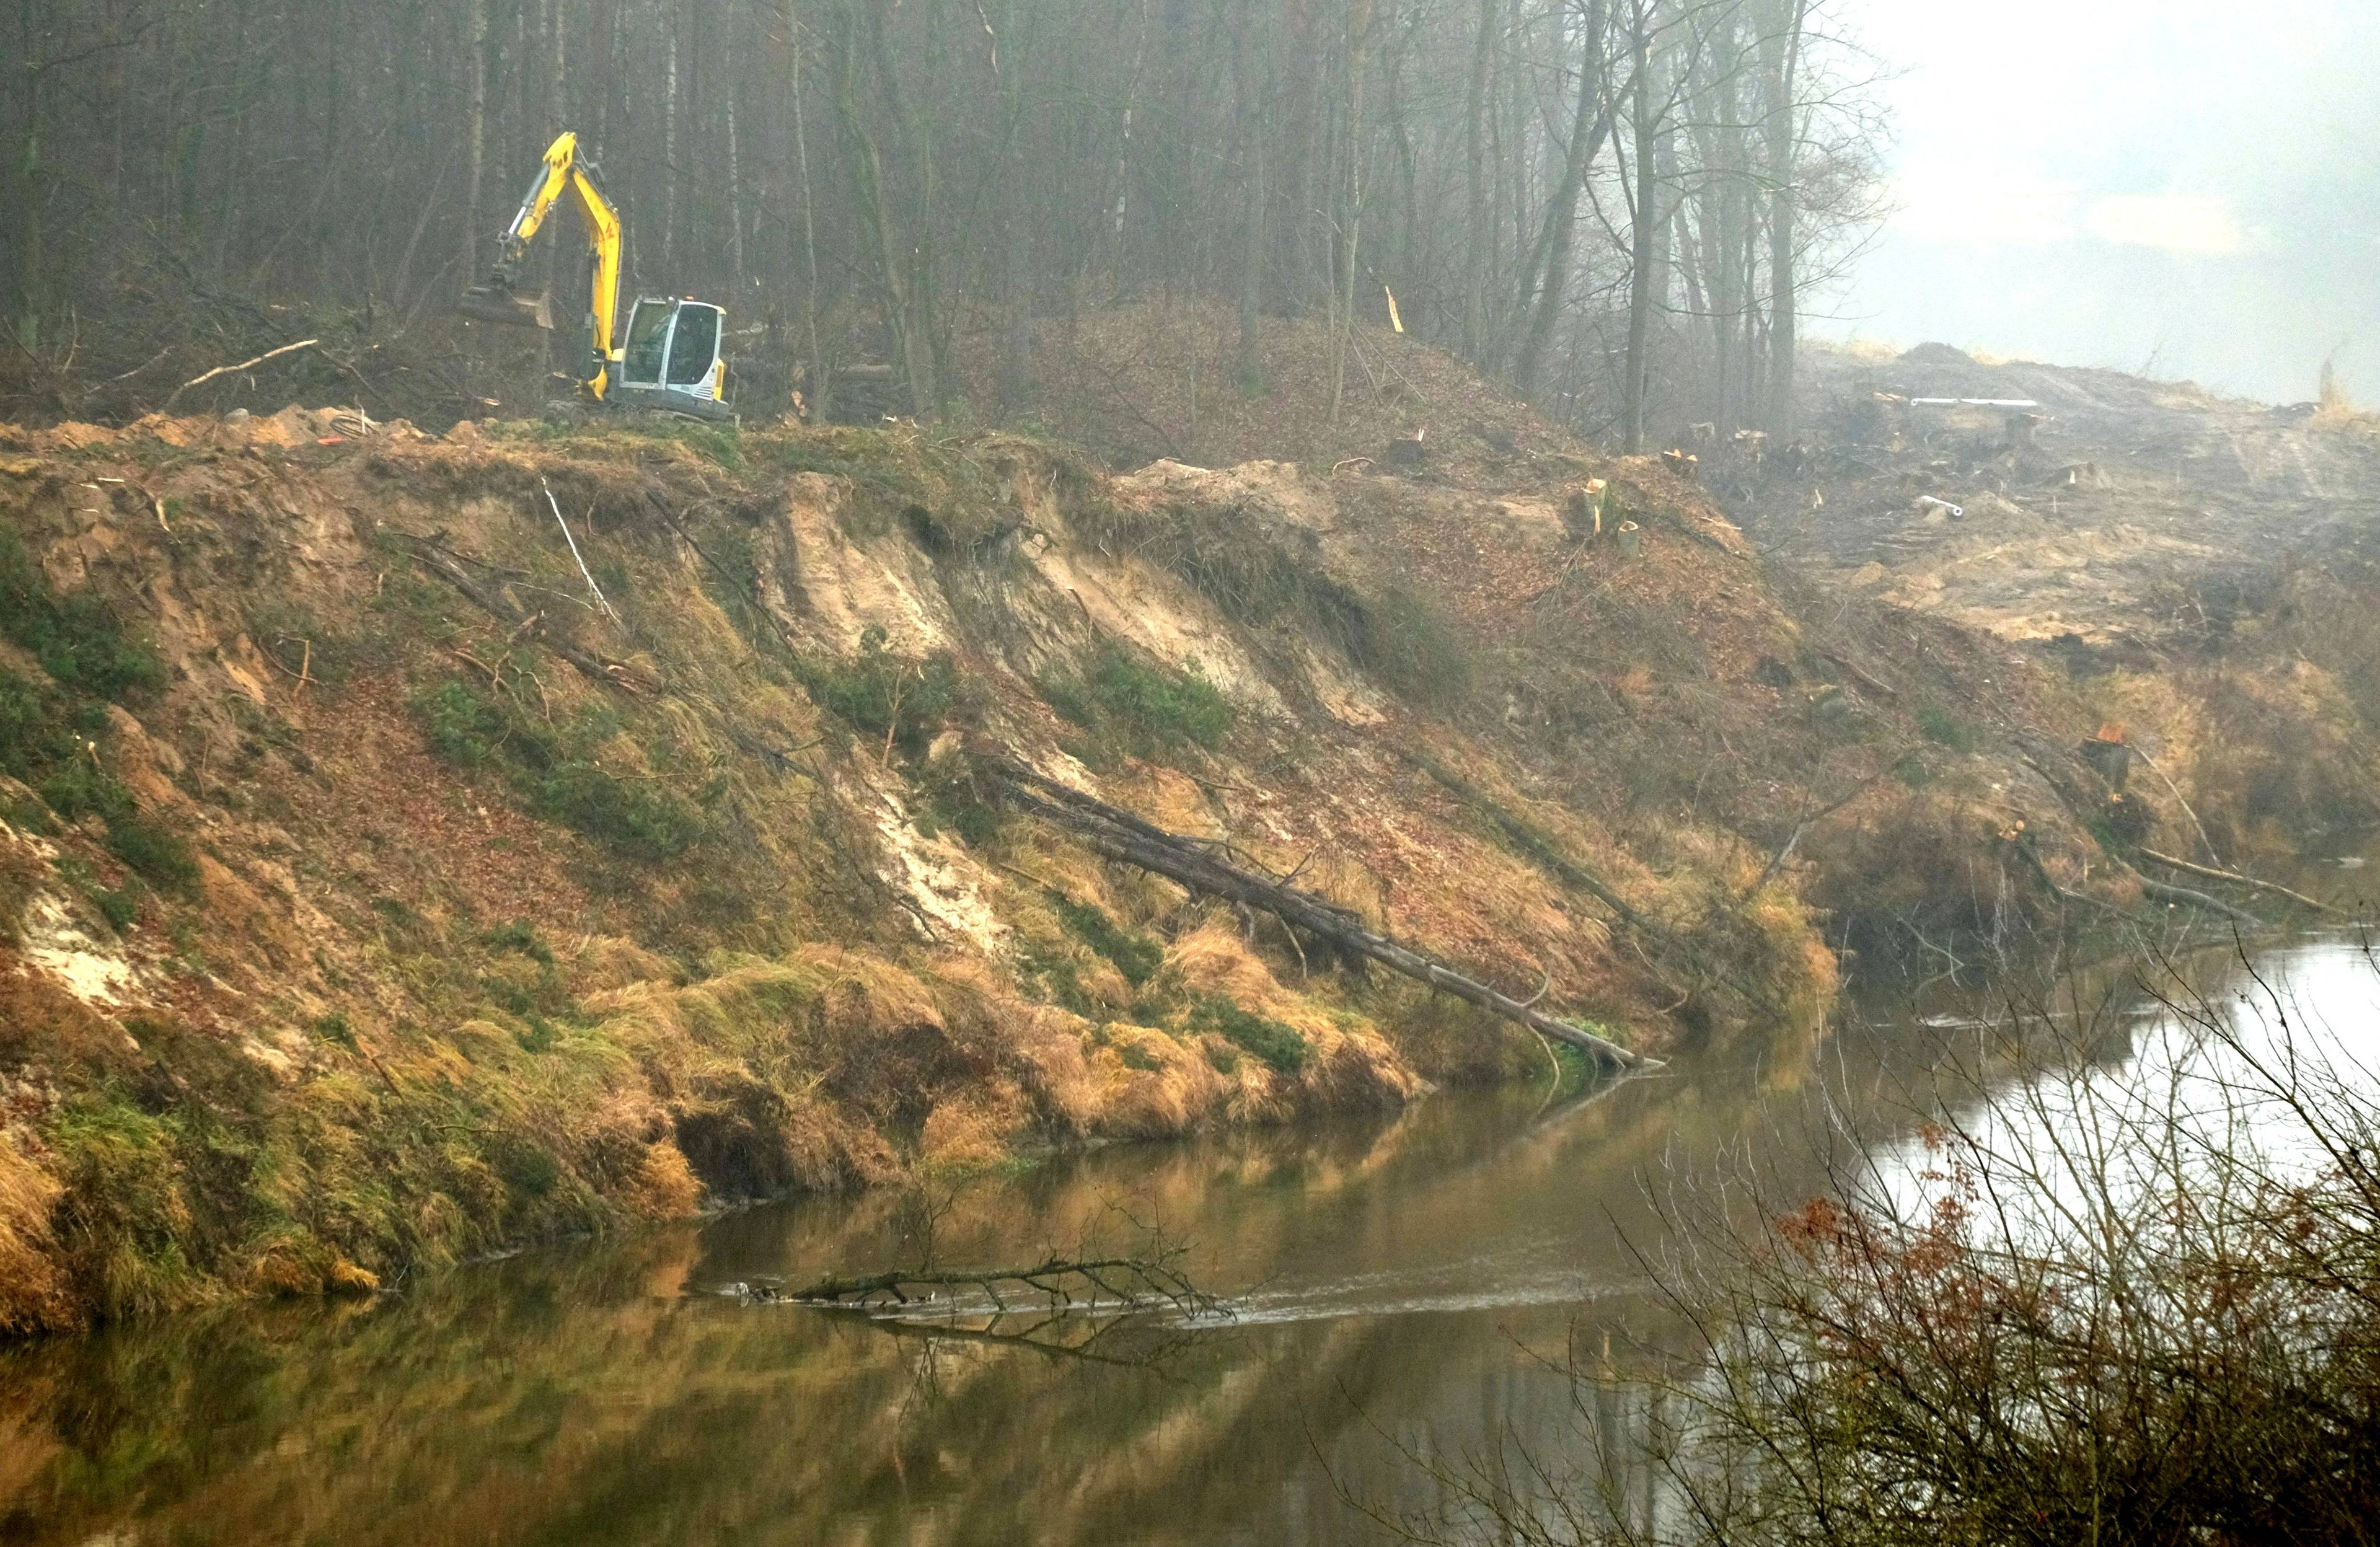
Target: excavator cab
(671,358)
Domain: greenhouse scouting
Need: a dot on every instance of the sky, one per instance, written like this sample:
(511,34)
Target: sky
(2184,188)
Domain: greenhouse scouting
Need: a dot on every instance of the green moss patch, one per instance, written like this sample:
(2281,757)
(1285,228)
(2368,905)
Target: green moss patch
(1145,708)
(1279,1047)
(78,640)
(1135,956)
(52,735)
(556,773)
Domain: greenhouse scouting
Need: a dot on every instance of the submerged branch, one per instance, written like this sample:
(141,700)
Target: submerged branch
(1071,1283)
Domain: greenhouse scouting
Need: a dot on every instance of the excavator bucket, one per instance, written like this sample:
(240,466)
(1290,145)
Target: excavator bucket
(515,308)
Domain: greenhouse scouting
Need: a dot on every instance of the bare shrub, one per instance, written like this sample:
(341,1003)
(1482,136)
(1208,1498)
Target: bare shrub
(2095,1299)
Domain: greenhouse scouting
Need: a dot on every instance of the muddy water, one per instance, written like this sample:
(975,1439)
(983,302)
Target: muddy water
(1402,1287)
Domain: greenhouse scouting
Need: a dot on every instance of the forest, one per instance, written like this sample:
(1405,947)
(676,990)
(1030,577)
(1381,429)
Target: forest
(1621,208)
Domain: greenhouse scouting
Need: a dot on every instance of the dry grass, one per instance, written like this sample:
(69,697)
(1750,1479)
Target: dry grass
(2260,755)
(34,1296)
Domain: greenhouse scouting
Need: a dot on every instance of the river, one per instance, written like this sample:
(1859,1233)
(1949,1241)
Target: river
(1407,1291)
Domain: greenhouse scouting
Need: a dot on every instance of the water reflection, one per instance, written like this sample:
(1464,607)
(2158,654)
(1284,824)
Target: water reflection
(1412,1287)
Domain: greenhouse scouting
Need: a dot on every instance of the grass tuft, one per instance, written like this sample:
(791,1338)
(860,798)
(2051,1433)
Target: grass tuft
(1409,644)
(1135,956)
(1938,725)
(1145,708)
(556,773)
(1279,1047)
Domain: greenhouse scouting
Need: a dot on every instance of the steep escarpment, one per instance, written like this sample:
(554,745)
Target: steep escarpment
(414,845)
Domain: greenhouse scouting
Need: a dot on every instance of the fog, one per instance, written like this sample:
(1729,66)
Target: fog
(2183,187)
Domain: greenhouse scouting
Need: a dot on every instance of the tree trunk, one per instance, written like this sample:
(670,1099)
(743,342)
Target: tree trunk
(557,71)
(1475,273)
(1246,365)
(564,266)
(670,178)
(903,261)
(1641,254)
(1249,364)
(602,58)
(822,380)
(734,212)
(1359,26)
(1783,48)
(1591,127)
(475,132)
(30,194)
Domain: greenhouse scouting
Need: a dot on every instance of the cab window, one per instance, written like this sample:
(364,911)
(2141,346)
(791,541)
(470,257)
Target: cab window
(697,345)
(648,342)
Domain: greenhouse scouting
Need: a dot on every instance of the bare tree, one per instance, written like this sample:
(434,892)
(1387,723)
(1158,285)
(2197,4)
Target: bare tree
(2089,1301)
(963,169)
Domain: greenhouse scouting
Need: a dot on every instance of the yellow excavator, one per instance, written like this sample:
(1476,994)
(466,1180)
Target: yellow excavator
(669,359)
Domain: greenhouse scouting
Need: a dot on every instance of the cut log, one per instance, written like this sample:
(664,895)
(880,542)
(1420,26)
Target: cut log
(1202,867)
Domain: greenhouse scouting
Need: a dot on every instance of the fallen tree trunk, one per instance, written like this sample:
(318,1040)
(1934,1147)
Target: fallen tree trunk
(2165,893)
(204,377)
(1866,679)
(2211,873)
(2156,889)
(1671,955)
(2037,754)
(2023,846)
(1119,834)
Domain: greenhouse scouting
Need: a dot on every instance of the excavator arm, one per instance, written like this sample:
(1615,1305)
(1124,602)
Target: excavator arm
(563,176)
